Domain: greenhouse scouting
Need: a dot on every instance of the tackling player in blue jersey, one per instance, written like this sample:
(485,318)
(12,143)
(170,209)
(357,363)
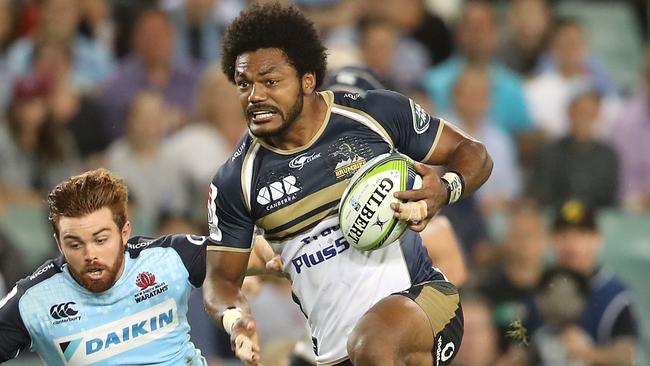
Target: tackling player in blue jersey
(384,307)
(108,300)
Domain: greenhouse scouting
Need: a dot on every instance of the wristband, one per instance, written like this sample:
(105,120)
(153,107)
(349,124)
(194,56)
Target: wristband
(455,186)
(230,316)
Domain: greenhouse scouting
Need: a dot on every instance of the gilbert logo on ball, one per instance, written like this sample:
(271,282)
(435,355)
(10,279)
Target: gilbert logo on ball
(365,216)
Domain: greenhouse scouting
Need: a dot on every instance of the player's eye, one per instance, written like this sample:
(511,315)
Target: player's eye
(243,84)
(101,240)
(272,82)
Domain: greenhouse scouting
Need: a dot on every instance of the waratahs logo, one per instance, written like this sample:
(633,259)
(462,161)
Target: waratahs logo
(149,288)
(145,280)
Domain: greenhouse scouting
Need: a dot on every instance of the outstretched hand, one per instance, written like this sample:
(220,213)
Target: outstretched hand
(422,203)
(244,341)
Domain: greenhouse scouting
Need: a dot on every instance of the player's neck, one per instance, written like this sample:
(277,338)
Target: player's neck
(306,126)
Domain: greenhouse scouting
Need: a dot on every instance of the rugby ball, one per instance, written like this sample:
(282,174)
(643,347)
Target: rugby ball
(365,216)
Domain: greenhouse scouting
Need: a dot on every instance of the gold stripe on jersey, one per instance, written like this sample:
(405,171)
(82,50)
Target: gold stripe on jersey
(363,117)
(441,126)
(440,307)
(221,248)
(247,171)
(328,96)
(296,229)
(303,206)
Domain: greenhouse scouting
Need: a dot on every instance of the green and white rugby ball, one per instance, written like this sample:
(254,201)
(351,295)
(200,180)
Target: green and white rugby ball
(365,216)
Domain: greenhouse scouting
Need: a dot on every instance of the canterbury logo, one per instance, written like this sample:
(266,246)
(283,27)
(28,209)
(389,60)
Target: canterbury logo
(63,310)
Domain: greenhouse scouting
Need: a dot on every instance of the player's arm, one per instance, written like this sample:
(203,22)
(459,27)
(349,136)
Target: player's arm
(228,251)
(13,332)
(445,250)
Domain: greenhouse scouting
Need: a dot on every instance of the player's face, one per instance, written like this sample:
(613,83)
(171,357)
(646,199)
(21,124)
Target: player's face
(577,249)
(93,247)
(271,94)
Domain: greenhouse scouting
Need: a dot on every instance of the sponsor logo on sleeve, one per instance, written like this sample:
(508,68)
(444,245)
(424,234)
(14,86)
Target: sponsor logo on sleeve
(213,219)
(421,119)
(112,339)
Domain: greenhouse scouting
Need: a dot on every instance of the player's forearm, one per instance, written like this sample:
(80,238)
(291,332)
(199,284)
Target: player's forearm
(620,353)
(471,160)
(219,296)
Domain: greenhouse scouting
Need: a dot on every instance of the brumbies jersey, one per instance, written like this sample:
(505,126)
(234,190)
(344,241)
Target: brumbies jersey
(141,320)
(291,196)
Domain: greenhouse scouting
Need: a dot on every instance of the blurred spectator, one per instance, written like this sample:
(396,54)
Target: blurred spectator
(630,136)
(414,20)
(335,20)
(577,165)
(569,68)
(69,108)
(470,227)
(353,79)
(149,67)
(209,142)
(606,332)
(197,34)
(530,23)
(12,264)
(477,40)
(97,24)
(7,35)
(59,20)
(520,262)
(398,61)
(479,346)
(471,102)
(560,298)
(138,158)
(35,153)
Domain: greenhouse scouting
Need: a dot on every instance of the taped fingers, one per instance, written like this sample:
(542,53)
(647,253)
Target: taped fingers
(413,212)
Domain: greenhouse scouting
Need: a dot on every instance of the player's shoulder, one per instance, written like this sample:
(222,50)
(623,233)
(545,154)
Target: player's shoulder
(43,273)
(138,245)
(231,168)
(372,100)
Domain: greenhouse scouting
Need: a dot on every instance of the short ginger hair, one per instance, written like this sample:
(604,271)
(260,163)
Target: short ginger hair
(86,193)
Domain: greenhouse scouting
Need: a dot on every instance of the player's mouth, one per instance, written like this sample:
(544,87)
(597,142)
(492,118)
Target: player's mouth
(262,115)
(95,273)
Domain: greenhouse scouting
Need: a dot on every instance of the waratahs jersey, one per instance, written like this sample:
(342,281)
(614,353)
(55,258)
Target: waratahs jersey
(292,197)
(141,320)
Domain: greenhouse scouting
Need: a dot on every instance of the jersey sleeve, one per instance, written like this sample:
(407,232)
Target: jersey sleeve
(231,226)
(414,132)
(13,332)
(625,324)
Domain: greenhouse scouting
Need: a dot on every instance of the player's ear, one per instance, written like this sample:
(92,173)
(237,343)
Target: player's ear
(58,243)
(126,232)
(309,82)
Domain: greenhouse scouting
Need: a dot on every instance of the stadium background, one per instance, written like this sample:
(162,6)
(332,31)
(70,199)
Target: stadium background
(97,83)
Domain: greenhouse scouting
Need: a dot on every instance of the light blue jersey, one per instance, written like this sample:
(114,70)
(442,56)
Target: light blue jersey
(141,320)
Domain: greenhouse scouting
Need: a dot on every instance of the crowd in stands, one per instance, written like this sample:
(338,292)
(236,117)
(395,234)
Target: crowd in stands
(135,86)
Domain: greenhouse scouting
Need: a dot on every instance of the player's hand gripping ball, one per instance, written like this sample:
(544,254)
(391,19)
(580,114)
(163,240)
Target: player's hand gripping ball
(367,220)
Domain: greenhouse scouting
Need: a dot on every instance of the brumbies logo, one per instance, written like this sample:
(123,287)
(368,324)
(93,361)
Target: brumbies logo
(349,161)
(421,118)
(149,288)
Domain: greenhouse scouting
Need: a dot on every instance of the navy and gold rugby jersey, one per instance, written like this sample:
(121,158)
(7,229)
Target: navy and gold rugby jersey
(292,197)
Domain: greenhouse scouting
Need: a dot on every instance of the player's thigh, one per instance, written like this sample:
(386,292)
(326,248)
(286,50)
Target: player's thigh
(420,326)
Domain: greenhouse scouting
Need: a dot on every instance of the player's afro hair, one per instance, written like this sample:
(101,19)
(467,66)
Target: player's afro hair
(272,25)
